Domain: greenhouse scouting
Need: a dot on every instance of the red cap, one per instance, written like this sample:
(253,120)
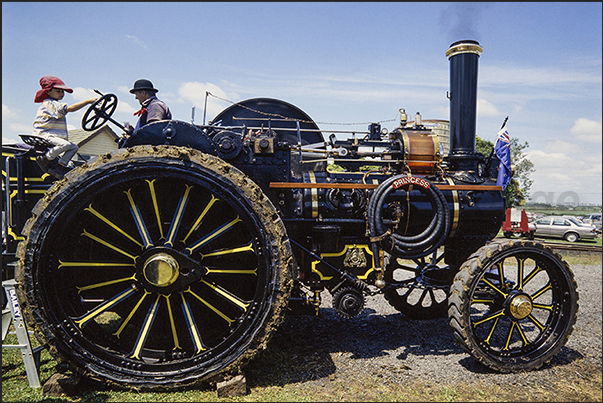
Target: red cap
(48,83)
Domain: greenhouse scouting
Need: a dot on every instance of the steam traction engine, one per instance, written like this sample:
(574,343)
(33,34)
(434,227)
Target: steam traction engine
(173,259)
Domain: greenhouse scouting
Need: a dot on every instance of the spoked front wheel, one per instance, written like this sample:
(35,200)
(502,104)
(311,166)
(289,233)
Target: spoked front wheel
(155,267)
(513,305)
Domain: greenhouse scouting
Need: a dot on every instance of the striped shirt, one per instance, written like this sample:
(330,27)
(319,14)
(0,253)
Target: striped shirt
(51,119)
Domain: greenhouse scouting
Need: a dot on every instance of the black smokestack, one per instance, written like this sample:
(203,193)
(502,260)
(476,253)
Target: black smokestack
(463,57)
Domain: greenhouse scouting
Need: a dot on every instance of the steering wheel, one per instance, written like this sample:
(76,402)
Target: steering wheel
(99,112)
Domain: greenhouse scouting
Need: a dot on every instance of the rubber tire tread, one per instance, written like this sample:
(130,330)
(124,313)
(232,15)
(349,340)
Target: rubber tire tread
(458,297)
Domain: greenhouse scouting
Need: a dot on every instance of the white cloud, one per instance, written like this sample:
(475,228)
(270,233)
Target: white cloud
(81,94)
(21,128)
(7,113)
(137,41)
(556,172)
(549,161)
(485,108)
(587,130)
(125,107)
(195,92)
(538,76)
(124,89)
(567,147)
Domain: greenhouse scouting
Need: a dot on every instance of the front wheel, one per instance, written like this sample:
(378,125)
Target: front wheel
(571,237)
(513,305)
(155,267)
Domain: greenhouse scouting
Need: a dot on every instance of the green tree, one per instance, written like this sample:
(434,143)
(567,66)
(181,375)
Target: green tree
(518,189)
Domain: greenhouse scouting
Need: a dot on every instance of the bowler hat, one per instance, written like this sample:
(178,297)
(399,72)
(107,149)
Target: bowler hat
(47,83)
(143,84)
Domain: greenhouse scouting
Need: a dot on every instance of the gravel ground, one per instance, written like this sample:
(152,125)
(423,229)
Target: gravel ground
(386,345)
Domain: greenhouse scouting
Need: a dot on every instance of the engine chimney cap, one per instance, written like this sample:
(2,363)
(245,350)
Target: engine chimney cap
(465,46)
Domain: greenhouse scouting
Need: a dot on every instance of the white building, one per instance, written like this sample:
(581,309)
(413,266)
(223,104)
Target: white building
(97,142)
(442,129)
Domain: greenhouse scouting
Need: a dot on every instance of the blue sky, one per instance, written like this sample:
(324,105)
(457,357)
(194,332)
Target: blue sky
(338,62)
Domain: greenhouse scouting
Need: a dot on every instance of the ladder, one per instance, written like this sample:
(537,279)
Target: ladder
(31,357)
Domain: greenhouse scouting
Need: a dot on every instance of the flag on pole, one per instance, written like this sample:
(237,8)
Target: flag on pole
(503,152)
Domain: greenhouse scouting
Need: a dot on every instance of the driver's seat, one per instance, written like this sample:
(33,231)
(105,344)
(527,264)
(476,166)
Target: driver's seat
(37,142)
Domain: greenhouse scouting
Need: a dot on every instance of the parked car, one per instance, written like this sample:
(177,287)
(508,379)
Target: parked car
(568,228)
(594,219)
(533,216)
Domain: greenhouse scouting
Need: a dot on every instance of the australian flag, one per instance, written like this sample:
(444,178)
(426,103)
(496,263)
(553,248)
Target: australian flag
(503,152)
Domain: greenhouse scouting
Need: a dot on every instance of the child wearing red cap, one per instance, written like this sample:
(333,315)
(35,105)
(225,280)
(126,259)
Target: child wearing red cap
(51,123)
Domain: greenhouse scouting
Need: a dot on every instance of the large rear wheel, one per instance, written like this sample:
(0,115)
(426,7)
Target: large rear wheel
(155,267)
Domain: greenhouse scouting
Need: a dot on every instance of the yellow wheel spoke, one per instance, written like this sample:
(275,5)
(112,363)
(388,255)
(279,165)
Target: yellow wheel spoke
(531,275)
(132,312)
(508,342)
(482,301)
(232,271)
(248,248)
(213,235)
(489,318)
(142,229)
(210,306)
(536,322)
(82,320)
(155,205)
(501,274)
(542,290)
(108,245)
(172,324)
(495,288)
(111,224)
(520,268)
(177,219)
(524,339)
(200,218)
(230,297)
(541,306)
(487,341)
(93,264)
(192,326)
(146,327)
(105,283)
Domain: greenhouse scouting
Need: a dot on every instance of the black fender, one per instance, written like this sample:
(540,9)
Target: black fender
(175,133)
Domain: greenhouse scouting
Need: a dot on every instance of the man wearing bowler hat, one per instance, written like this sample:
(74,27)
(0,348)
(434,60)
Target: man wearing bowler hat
(152,108)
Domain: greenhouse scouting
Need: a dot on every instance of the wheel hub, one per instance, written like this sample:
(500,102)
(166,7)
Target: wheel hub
(164,270)
(520,306)
(161,270)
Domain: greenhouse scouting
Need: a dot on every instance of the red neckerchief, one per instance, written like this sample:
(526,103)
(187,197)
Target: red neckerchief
(141,111)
